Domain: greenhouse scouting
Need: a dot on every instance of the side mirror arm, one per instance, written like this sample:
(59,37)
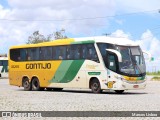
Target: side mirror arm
(148,54)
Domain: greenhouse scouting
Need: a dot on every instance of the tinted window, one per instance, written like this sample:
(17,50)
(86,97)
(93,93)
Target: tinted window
(5,62)
(33,54)
(112,62)
(23,54)
(68,52)
(15,54)
(45,53)
(91,52)
(102,47)
(84,52)
(62,53)
(75,52)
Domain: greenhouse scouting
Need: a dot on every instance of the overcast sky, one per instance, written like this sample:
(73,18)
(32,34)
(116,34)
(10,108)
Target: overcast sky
(137,20)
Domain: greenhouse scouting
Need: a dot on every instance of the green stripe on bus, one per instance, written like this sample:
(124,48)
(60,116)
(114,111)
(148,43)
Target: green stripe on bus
(94,73)
(72,71)
(67,71)
(60,73)
(141,78)
(83,42)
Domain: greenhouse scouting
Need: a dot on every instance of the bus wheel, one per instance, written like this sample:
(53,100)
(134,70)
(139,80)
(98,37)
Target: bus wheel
(35,84)
(26,84)
(95,86)
(119,91)
(57,89)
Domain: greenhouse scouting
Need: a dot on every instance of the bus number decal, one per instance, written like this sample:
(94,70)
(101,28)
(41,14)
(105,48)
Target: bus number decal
(15,66)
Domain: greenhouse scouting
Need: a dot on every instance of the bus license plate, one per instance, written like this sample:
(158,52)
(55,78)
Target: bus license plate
(136,86)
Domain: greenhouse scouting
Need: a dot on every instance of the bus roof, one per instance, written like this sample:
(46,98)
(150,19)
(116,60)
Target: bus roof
(3,58)
(111,40)
(97,39)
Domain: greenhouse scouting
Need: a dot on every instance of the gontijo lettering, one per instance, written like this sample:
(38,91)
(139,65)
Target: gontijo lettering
(38,66)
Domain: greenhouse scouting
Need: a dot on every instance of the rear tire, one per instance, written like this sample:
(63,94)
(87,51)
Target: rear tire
(35,84)
(119,91)
(26,84)
(95,86)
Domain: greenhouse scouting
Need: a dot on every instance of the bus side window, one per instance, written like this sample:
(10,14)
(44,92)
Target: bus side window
(91,53)
(5,63)
(45,53)
(62,52)
(77,52)
(57,52)
(49,53)
(84,52)
(72,52)
(68,52)
(28,54)
(54,53)
(35,53)
(23,55)
(14,54)
(112,62)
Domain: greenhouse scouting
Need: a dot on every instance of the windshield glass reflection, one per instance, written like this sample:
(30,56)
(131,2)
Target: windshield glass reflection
(132,60)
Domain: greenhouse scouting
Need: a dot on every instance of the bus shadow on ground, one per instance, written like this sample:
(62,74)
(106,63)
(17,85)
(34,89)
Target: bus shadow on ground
(104,92)
(90,92)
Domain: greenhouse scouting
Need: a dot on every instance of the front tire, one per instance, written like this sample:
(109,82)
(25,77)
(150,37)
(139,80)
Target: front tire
(95,86)
(35,84)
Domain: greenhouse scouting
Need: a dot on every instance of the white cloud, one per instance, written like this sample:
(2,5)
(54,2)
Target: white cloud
(120,33)
(17,32)
(149,42)
(137,5)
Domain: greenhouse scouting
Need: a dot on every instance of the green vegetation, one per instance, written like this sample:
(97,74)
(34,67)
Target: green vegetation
(156,78)
(36,37)
(153,73)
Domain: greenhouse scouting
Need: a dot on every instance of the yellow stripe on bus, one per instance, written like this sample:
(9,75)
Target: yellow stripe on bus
(51,43)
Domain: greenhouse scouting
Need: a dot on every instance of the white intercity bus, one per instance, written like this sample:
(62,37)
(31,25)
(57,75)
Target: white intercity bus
(96,63)
(3,65)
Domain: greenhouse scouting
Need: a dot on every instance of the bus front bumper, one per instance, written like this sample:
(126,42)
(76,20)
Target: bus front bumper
(126,85)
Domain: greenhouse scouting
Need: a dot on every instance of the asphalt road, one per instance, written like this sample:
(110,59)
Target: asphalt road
(13,98)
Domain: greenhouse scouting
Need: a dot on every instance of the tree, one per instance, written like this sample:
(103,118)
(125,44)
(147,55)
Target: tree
(60,34)
(36,37)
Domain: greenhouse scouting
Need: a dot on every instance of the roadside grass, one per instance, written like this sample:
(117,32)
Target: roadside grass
(156,78)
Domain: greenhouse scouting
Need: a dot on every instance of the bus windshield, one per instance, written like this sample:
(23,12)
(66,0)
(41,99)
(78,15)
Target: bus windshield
(132,60)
